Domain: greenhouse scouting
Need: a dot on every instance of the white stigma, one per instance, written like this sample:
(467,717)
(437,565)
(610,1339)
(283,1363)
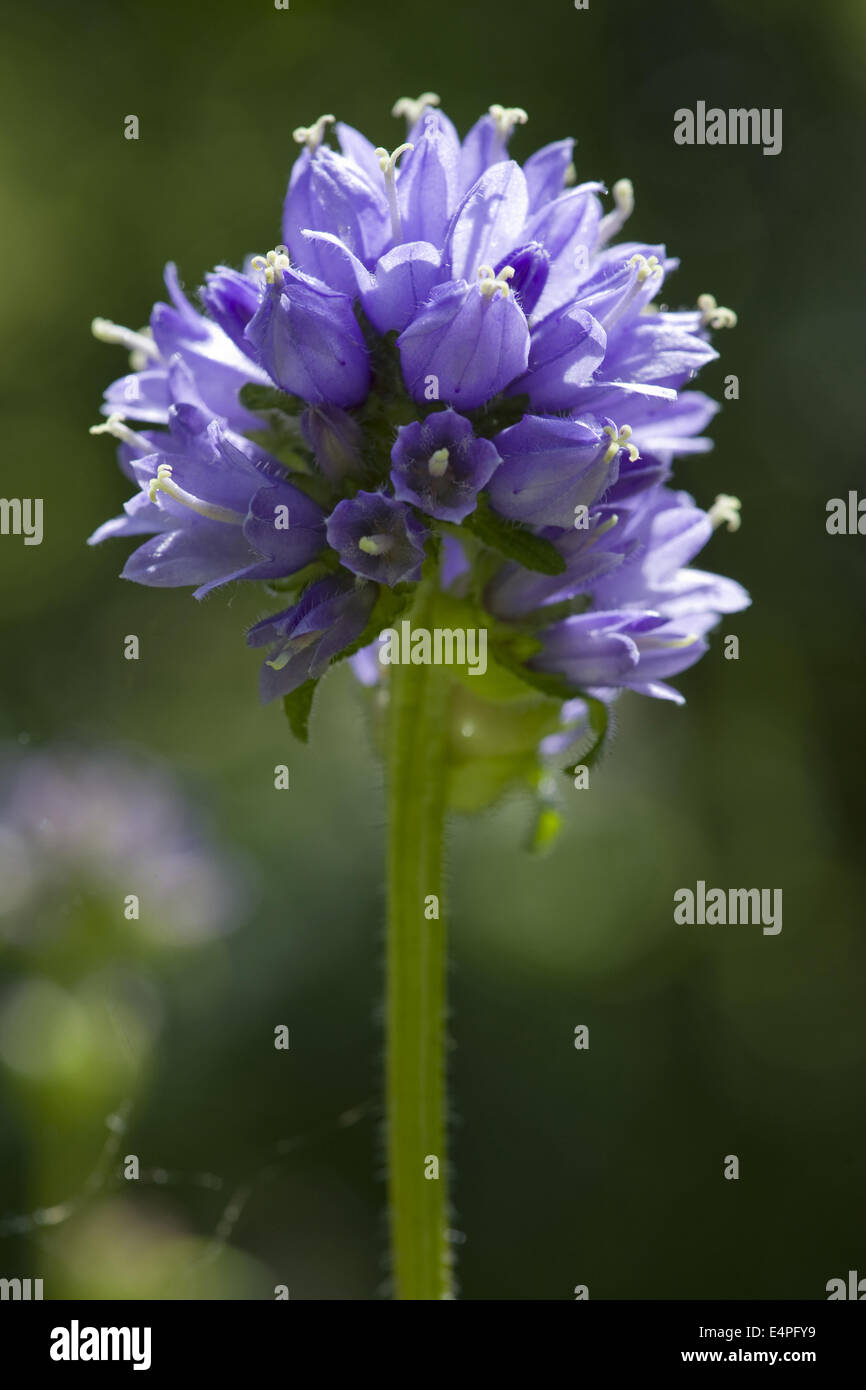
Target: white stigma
(726,511)
(654,644)
(646,267)
(293,646)
(491,282)
(714,315)
(413,108)
(163,482)
(115,426)
(602,530)
(273,263)
(277,663)
(141,346)
(376,545)
(619,439)
(506,118)
(570,176)
(388,165)
(438,463)
(388,162)
(312,135)
(623,207)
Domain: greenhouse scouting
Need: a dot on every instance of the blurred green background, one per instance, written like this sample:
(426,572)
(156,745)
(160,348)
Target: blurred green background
(601,1167)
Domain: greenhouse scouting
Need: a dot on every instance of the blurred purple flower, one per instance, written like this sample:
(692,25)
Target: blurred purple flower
(102,824)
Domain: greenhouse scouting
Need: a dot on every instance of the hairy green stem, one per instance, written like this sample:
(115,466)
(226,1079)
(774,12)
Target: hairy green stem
(416,975)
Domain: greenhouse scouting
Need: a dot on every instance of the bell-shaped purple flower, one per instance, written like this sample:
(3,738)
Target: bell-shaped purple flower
(377,537)
(486,144)
(221,510)
(331,193)
(649,614)
(331,614)
(551,466)
(335,438)
(403,281)
(466,344)
(591,552)
(546,171)
(531,266)
(566,349)
(668,531)
(623,285)
(393,293)
(218,368)
(231,298)
(307,339)
(567,228)
(603,652)
(663,349)
(428,182)
(439,465)
(489,221)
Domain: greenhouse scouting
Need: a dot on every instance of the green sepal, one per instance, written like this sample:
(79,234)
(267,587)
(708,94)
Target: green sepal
(297,705)
(285,447)
(384,357)
(499,414)
(514,651)
(261,399)
(513,540)
(326,563)
(555,612)
(280,436)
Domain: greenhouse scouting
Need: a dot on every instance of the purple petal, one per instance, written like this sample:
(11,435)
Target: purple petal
(488,222)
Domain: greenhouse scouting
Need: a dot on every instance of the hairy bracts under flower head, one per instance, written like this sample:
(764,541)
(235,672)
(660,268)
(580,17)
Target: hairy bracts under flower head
(449,356)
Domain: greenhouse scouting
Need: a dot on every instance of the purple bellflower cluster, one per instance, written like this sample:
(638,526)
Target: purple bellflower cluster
(449,360)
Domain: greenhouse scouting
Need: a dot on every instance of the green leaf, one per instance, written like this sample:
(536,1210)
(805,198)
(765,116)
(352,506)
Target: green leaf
(297,705)
(260,399)
(513,540)
(493,745)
